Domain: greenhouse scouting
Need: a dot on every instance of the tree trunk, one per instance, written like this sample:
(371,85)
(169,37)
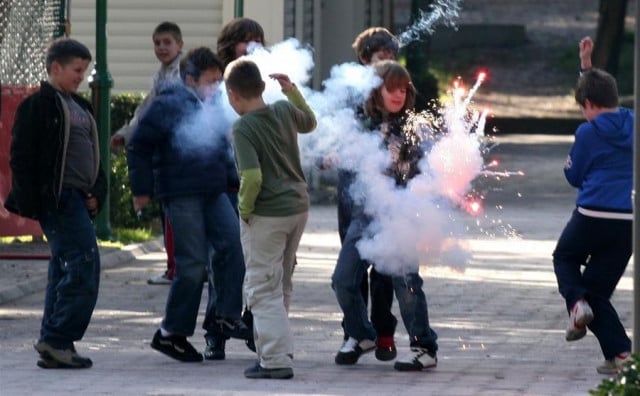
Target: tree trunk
(608,42)
(417,57)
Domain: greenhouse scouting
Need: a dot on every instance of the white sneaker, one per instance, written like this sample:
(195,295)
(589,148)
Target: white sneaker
(416,360)
(579,317)
(352,349)
(159,280)
(612,366)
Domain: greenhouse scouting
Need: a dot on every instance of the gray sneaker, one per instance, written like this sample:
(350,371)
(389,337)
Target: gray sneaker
(579,317)
(259,372)
(51,357)
(613,366)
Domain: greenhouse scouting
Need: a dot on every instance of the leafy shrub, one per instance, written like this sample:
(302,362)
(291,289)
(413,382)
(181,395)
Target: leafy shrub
(122,214)
(625,383)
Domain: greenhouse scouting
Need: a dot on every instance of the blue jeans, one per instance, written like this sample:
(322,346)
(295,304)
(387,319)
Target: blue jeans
(603,247)
(200,222)
(346,283)
(209,323)
(74,270)
(414,311)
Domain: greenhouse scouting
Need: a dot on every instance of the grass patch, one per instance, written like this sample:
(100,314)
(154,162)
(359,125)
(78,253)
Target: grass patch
(121,237)
(126,236)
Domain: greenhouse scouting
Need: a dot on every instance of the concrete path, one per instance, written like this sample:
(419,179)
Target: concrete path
(500,322)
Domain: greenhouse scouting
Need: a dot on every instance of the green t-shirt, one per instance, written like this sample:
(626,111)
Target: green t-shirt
(265,142)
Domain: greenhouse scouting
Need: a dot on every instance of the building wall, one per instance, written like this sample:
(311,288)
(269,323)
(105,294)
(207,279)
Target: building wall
(130,23)
(329,26)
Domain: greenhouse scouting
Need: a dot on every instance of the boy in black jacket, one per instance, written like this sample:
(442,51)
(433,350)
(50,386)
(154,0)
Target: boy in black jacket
(57,180)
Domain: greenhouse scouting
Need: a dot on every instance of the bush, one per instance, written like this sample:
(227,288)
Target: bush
(122,214)
(625,383)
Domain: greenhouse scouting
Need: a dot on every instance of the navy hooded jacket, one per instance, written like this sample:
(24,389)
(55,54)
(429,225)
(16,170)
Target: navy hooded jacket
(600,163)
(176,149)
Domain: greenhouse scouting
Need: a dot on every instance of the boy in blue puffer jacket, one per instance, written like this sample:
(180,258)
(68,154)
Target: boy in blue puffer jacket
(599,234)
(177,154)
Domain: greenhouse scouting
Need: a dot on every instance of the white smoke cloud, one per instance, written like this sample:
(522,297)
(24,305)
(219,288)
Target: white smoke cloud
(419,224)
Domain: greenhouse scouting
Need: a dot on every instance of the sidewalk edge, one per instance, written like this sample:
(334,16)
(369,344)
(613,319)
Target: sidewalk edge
(108,260)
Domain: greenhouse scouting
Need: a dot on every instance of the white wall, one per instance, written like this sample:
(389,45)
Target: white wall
(130,24)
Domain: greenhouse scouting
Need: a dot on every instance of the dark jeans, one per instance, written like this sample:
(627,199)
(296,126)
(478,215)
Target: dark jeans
(209,324)
(200,222)
(603,247)
(383,321)
(74,270)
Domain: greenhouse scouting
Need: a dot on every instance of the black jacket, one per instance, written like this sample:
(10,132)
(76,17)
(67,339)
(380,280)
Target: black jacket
(37,153)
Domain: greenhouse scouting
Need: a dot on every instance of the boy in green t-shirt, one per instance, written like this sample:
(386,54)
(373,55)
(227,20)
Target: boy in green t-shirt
(273,203)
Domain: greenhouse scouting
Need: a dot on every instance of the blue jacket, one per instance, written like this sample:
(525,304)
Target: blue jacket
(176,150)
(600,163)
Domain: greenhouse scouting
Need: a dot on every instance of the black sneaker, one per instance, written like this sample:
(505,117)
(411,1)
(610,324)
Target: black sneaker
(385,348)
(215,348)
(416,360)
(247,318)
(258,371)
(51,357)
(234,328)
(176,347)
(352,349)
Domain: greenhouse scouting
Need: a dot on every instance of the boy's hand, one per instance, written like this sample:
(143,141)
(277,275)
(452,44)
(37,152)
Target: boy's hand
(92,204)
(117,142)
(283,80)
(586,48)
(140,202)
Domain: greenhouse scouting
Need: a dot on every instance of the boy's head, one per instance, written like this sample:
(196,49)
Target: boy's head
(236,36)
(375,44)
(167,42)
(67,61)
(396,94)
(243,82)
(596,91)
(201,70)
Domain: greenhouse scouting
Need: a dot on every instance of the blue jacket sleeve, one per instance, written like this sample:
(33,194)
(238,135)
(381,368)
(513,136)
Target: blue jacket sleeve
(579,159)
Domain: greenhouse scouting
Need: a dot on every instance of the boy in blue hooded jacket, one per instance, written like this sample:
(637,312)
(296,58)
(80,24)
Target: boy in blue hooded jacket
(599,234)
(177,155)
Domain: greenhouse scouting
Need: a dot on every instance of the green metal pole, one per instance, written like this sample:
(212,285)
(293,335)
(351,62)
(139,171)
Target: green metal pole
(61,29)
(101,83)
(238,9)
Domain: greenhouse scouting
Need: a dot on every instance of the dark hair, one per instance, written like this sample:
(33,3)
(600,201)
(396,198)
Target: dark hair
(198,60)
(599,87)
(243,77)
(237,31)
(373,40)
(168,27)
(64,50)
(394,76)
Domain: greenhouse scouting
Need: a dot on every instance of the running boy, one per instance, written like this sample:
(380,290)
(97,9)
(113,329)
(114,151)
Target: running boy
(58,180)
(273,205)
(598,235)
(175,154)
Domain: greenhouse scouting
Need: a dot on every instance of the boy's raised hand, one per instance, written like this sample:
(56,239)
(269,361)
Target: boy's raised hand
(283,80)
(586,48)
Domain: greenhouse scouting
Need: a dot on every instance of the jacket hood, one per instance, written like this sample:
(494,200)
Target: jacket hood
(616,127)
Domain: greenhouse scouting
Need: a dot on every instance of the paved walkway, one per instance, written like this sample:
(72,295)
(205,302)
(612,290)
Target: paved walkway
(500,322)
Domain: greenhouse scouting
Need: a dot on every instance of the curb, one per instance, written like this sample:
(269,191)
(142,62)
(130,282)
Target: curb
(108,260)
